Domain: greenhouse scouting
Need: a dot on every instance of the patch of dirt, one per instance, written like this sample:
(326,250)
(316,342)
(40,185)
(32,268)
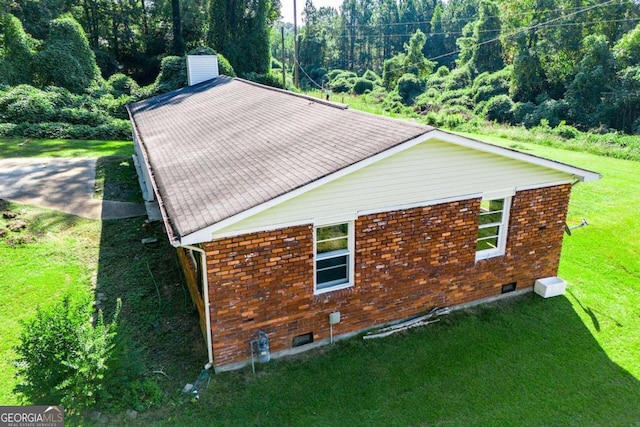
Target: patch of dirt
(17,225)
(3,232)
(9,215)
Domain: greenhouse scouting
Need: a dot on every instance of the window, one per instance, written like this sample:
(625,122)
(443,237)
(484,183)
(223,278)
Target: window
(492,229)
(334,257)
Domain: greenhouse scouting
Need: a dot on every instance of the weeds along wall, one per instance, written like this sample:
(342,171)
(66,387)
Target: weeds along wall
(406,262)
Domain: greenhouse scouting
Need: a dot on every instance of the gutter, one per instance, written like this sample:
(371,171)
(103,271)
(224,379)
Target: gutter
(205,293)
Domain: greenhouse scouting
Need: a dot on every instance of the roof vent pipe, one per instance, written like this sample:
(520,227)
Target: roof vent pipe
(201,68)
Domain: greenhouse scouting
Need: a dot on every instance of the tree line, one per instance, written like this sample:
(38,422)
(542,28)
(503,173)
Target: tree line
(578,58)
(132,36)
(514,61)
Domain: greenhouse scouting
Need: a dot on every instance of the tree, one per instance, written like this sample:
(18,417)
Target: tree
(66,60)
(594,78)
(527,76)
(415,61)
(487,52)
(627,49)
(240,31)
(435,46)
(178,43)
(17,49)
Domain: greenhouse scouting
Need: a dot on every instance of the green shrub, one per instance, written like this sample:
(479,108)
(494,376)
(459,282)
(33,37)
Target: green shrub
(335,73)
(393,103)
(275,64)
(554,111)
(488,85)
(362,85)
(460,78)
(122,85)
(342,85)
(319,75)
(81,116)
(393,69)
(26,104)
(116,129)
(524,114)
(565,131)
(409,87)
(173,74)
(499,109)
(264,79)
(442,71)
(224,66)
(372,77)
(63,357)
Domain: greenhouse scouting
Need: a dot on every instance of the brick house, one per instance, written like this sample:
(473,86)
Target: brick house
(285,208)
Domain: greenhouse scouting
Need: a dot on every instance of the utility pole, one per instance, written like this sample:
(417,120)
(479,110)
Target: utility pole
(295,46)
(284,69)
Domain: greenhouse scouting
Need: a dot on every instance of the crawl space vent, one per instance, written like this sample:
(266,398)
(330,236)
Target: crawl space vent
(302,339)
(509,287)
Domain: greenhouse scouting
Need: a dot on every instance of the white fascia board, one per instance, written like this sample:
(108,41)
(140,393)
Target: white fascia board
(206,234)
(583,174)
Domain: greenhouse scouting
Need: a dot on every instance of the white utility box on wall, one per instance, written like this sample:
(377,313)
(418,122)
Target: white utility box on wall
(550,287)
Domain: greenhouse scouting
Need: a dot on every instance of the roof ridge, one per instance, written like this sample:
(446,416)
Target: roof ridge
(299,95)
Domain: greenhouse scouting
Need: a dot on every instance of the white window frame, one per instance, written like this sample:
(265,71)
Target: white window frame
(503,225)
(349,252)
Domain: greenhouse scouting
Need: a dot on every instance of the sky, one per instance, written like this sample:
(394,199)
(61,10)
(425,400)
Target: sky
(287,7)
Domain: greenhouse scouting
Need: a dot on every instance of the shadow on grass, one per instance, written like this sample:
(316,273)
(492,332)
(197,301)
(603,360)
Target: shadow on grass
(160,344)
(528,361)
(116,179)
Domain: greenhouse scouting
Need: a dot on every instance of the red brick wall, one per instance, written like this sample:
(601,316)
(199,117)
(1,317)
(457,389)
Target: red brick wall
(406,262)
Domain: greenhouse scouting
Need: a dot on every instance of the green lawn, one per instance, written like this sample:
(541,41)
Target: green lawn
(54,255)
(572,360)
(30,147)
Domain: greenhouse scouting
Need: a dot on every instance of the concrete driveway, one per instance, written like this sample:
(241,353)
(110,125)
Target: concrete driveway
(63,184)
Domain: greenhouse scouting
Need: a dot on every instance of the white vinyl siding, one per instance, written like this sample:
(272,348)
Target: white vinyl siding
(201,68)
(432,170)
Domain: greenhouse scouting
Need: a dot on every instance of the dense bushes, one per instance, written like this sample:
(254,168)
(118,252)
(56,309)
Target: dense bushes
(57,113)
(265,79)
(97,113)
(362,85)
(63,357)
(68,355)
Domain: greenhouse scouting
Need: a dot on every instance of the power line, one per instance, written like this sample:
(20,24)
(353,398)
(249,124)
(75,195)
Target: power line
(307,75)
(470,19)
(451,33)
(532,27)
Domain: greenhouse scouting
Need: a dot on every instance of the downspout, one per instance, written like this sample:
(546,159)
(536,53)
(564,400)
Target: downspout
(205,294)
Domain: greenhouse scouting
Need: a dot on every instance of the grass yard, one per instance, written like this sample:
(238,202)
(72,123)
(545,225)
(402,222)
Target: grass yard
(30,147)
(572,360)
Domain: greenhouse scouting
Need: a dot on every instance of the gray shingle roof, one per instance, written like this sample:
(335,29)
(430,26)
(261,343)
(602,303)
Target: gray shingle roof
(224,146)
